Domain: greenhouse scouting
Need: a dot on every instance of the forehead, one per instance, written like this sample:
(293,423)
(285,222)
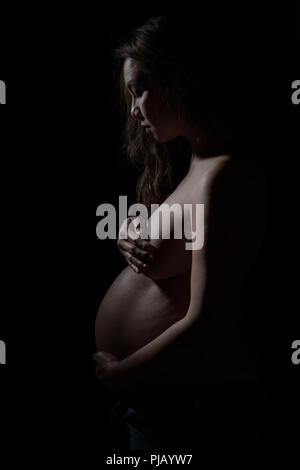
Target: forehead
(132,71)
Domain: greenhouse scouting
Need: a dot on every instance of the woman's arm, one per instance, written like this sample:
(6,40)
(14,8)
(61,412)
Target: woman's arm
(232,228)
(167,337)
(162,358)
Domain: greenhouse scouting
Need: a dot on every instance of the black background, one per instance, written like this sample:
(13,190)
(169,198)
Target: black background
(60,139)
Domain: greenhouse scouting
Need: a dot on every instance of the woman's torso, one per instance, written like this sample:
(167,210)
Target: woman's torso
(138,307)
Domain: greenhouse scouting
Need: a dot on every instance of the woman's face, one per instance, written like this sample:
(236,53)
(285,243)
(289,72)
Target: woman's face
(146,107)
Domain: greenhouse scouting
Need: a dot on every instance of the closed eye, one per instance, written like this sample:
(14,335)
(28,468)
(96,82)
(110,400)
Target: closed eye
(138,93)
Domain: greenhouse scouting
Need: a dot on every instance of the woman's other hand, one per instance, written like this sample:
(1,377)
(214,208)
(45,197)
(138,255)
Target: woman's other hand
(106,365)
(138,252)
(109,372)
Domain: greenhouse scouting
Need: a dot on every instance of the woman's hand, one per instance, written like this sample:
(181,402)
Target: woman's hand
(107,366)
(111,374)
(139,253)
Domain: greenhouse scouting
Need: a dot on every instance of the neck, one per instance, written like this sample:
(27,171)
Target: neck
(205,143)
(197,137)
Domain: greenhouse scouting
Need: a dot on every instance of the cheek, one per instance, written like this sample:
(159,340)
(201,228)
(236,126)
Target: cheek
(149,107)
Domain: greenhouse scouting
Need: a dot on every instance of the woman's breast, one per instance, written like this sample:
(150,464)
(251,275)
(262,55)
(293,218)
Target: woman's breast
(139,307)
(136,309)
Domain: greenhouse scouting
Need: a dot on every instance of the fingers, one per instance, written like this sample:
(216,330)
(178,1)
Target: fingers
(145,245)
(134,228)
(127,227)
(136,256)
(104,355)
(136,264)
(100,361)
(138,252)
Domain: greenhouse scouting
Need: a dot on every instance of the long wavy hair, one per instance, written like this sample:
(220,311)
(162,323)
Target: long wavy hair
(172,52)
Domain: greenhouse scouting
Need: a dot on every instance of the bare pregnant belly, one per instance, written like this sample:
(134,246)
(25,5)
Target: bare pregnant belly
(136,309)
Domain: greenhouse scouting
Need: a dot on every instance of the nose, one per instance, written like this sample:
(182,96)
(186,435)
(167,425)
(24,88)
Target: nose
(136,112)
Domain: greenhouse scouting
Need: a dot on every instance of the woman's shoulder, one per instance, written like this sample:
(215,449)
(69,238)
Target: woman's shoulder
(226,171)
(229,182)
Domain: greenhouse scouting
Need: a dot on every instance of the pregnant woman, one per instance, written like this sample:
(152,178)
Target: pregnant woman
(169,331)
